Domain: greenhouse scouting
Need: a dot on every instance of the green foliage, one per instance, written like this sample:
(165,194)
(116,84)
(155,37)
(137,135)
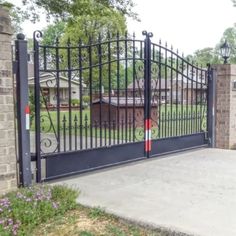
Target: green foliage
(86,99)
(75,101)
(65,10)
(32,103)
(115,231)
(204,56)
(85,233)
(53,32)
(96,212)
(21,211)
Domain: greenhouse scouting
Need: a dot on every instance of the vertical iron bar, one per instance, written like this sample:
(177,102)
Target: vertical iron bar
(187,102)
(64,132)
(58,97)
(134,83)
(90,91)
(166,88)
(118,86)
(126,87)
(76,127)
(192,77)
(160,90)
(44,58)
(201,101)
(171,89)
(122,130)
(37,35)
(80,96)
(69,87)
(196,99)
(177,92)
(114,131)
(182,98)
(105,132)
(86,130)
(109,87)
(96,133)
(147,92)
(100,86)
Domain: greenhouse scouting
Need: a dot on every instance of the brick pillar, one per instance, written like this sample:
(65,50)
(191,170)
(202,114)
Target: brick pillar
(225,106)
(8,177)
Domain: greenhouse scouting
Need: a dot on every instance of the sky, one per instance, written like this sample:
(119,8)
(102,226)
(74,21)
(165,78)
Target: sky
(188,25)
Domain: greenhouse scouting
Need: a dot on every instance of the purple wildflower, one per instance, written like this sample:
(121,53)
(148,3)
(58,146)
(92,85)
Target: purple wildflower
(28,200)
(10,222)
(15,228)
(54,205)
(4,202)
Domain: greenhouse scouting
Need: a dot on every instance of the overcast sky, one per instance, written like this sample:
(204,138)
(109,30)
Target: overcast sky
(186,24)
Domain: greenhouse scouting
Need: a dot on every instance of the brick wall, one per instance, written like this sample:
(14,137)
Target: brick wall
(225,107)
(8,175)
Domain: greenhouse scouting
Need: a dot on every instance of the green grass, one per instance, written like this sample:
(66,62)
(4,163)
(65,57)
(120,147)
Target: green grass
(23,210)
(95,222)
(173,123)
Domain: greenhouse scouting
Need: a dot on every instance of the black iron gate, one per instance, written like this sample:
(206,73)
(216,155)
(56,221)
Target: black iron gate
(112,101)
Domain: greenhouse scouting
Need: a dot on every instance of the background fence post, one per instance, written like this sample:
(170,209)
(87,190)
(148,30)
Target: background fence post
(211,106)
(23,110)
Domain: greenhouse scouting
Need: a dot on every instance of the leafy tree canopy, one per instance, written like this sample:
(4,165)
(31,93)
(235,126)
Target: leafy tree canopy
(65,9)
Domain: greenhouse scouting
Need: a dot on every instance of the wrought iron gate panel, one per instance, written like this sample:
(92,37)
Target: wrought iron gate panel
(180,90)
(94,103)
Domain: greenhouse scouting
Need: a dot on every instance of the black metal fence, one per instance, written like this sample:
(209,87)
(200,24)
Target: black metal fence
(101,93)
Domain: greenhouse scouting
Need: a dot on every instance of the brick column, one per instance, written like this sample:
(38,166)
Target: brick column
(8,177)
(225,106)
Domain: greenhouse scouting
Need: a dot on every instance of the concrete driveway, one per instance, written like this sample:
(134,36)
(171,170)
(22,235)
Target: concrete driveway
(192,192)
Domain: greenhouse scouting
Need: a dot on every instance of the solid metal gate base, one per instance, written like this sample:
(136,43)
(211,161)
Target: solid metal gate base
(77,162)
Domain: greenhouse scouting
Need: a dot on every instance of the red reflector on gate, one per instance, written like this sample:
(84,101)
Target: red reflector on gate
(148,123)
(148,146)
(27,109)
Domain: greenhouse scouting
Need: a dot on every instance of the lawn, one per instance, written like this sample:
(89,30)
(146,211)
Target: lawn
(173,121)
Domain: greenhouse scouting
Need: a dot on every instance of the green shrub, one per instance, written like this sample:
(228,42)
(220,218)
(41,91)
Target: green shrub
(75,101)
(21,211)
(86,99)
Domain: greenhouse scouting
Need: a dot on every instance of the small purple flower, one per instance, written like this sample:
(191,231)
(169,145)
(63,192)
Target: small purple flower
(4,202)
(54,205)
(2,222)
(10,222)
(28,200)
(15,228)
(1,210)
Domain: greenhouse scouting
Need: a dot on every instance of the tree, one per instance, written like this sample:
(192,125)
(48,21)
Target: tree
(64,9)
(53,32)
(86,30)
(205,56)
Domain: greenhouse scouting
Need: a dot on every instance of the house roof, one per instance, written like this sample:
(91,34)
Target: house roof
(49,78)
(139,84)
(122,101)
(166,84)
